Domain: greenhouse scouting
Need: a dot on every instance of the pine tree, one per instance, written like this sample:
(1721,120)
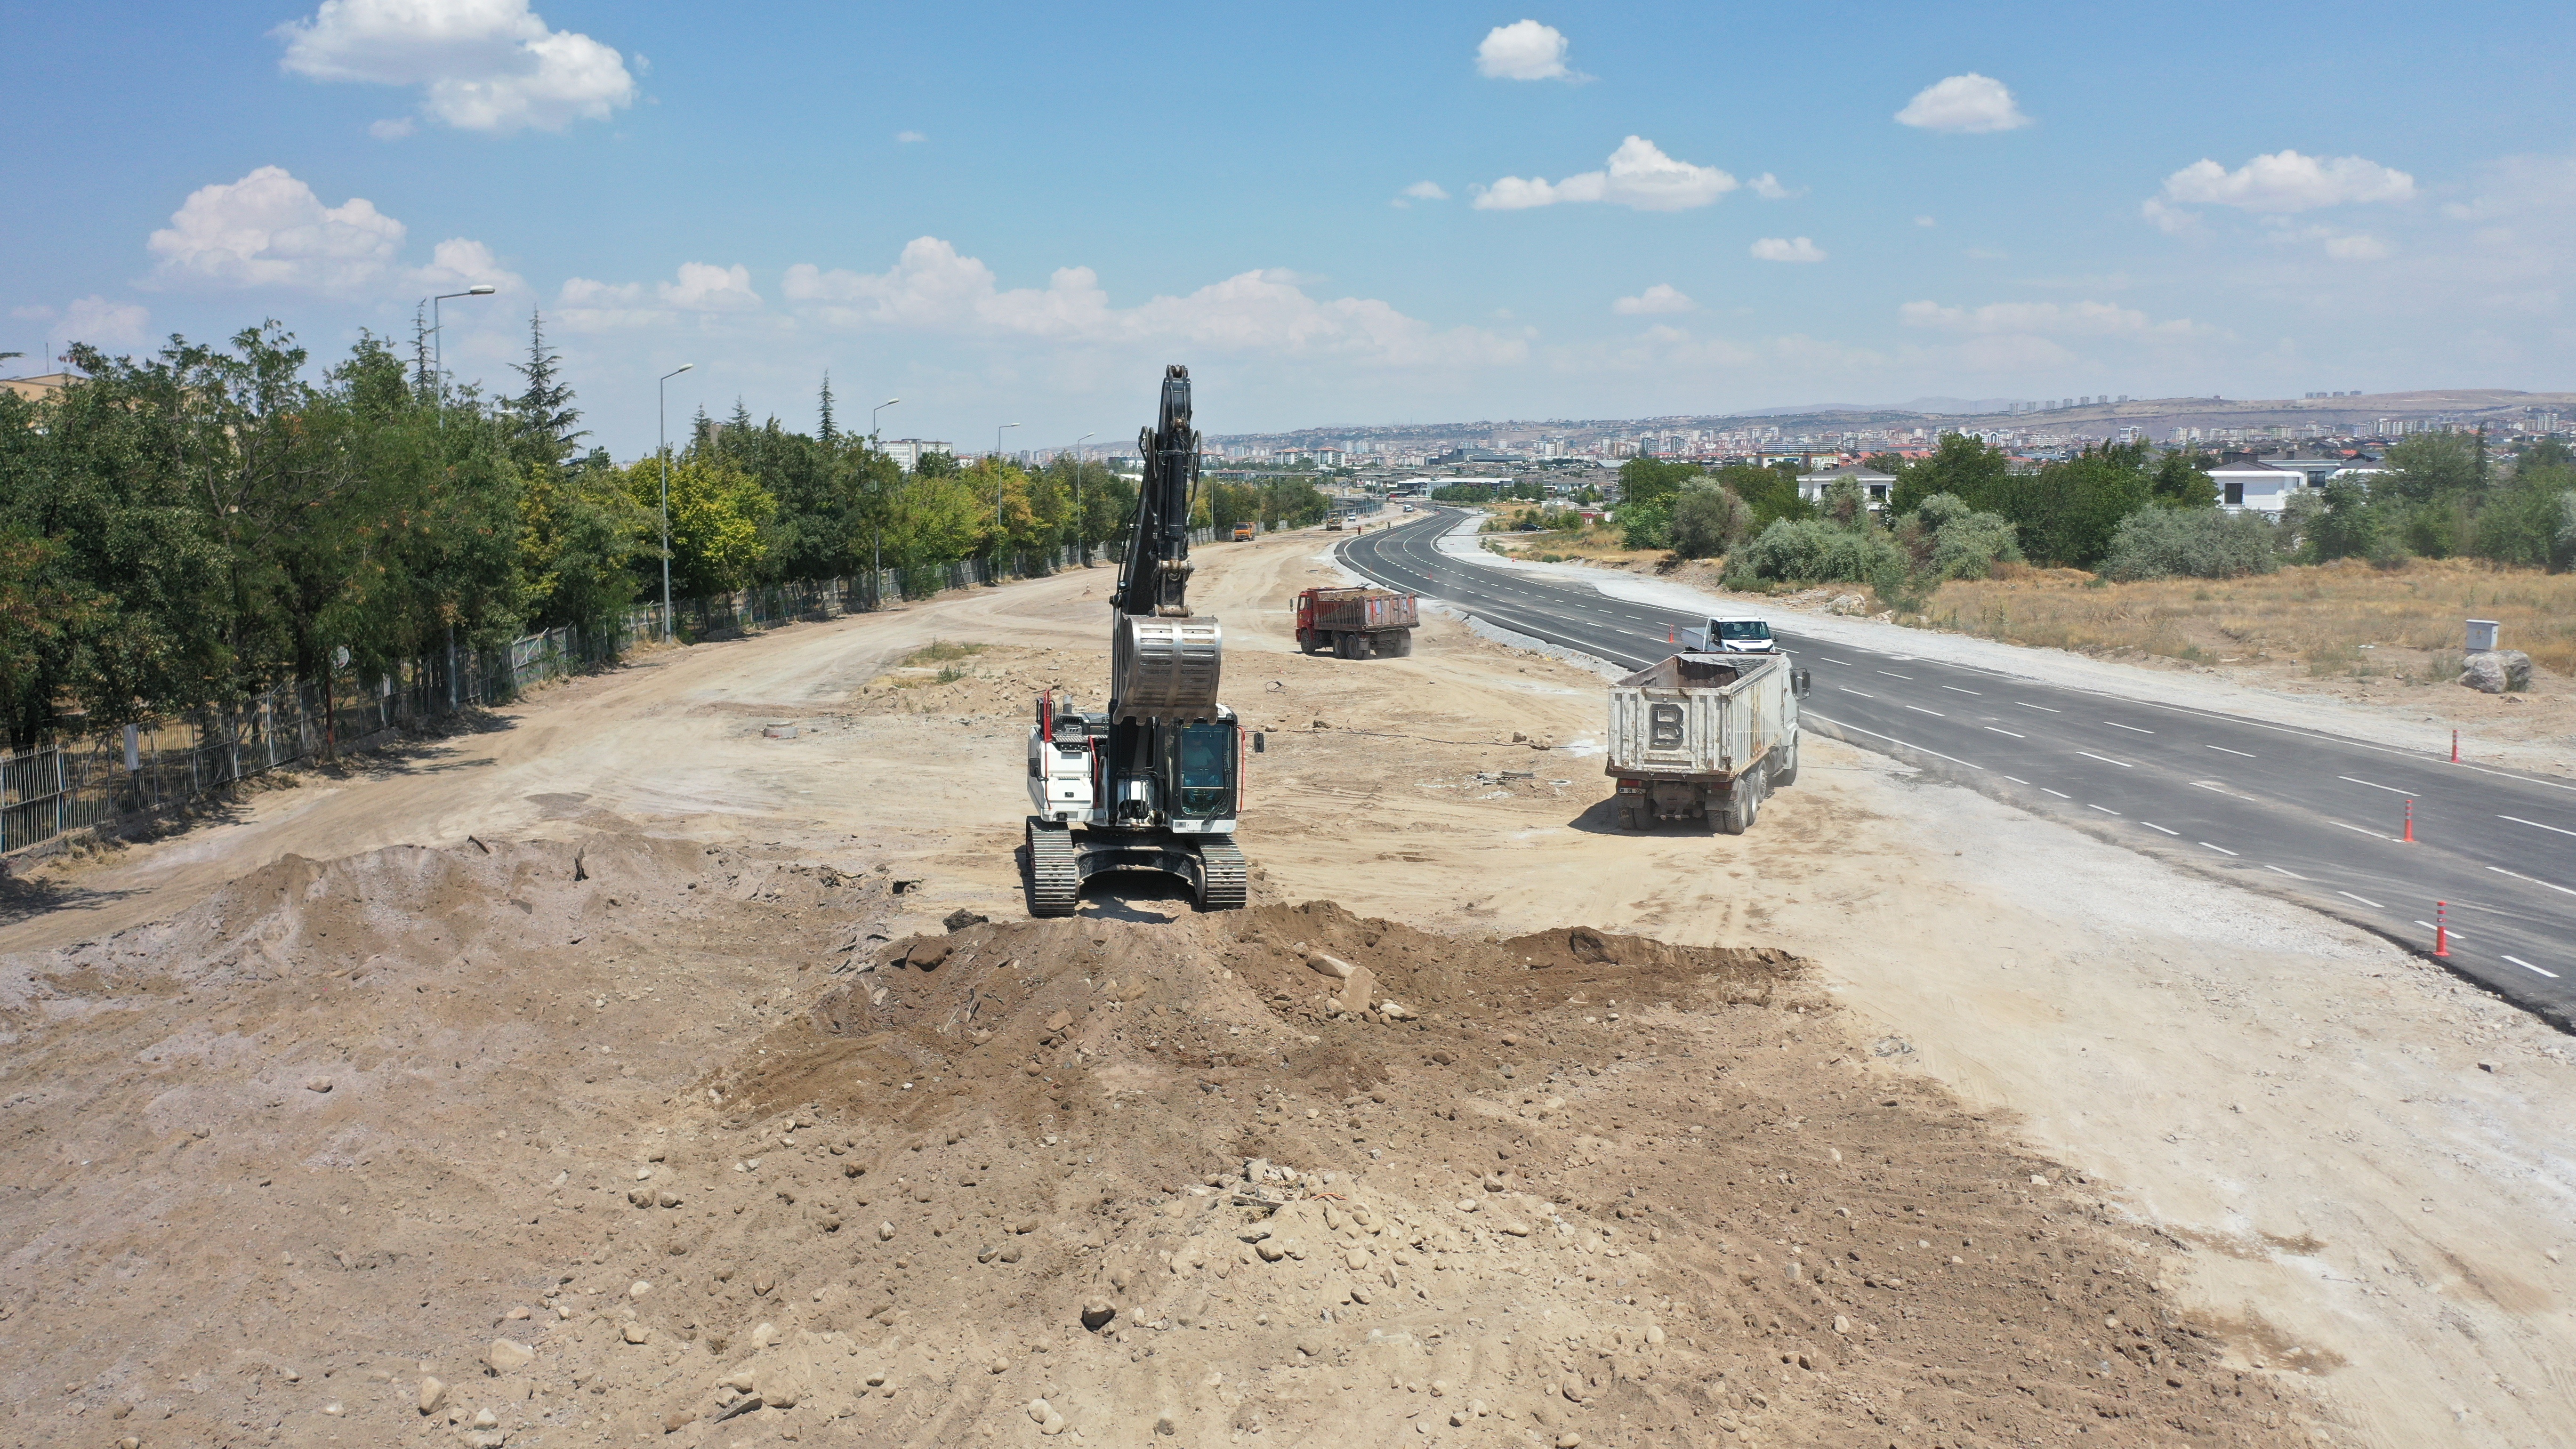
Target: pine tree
(546,413)
(827,432)
(420,378)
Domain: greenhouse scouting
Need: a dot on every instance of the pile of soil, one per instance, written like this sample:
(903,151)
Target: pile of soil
(633,1139)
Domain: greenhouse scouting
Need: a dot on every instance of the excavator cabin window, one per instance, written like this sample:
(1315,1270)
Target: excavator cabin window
(1204,771)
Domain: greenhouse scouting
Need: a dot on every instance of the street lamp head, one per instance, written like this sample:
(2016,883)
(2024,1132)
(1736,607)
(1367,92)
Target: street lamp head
(481,289)
(889,402)
(683,367)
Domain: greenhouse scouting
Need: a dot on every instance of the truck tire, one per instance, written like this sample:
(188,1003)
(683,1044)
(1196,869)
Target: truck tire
(1785,773)
(1743,806)
(1395,644)
(1305,641)
(1631,818)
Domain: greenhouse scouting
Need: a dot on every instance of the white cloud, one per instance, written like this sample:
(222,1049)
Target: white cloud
(1639,175)
(269,230)
(1654,301)
(1970,105)
(2171,220)
(1768,187)
(484,65)
(2080,319)
(2357,248)
(705,288)
(93,319)
(1523,50)
(1426,191)
(2285,182)
(393,129)
(909,138)
(1786,249)
(933,288)
(1925,221)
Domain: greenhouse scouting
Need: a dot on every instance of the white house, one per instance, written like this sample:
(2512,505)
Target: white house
(2258,487)
(1873,483)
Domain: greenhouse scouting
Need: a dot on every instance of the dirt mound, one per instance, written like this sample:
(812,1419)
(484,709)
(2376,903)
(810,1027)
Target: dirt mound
(555,1144)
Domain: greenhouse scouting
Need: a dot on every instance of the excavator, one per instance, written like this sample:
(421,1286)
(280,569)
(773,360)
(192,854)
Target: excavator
(1154,781)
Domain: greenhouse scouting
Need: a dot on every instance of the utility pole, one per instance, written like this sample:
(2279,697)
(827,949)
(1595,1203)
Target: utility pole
(439,338)
(663,424)
(876,556)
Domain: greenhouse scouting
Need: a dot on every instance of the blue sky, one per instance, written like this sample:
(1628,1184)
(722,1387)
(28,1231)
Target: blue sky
(1017,214)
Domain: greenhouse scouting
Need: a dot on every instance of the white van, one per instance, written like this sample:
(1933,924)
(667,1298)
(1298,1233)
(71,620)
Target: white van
(1732,634)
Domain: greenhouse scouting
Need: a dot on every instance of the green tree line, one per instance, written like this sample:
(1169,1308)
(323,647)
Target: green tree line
(188,529)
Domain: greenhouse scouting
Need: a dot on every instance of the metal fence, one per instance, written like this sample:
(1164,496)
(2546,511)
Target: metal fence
(100,777)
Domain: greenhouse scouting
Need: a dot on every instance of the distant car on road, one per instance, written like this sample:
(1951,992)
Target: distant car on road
(1243,532)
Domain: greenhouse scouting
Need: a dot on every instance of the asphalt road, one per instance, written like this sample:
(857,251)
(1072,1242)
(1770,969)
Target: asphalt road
(2295,813)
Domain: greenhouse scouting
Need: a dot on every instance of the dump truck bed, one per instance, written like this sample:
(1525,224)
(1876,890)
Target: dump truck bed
(1700,716)
(1364,610)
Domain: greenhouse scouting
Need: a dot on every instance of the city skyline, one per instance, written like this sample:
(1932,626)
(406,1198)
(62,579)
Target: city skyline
(1364,216)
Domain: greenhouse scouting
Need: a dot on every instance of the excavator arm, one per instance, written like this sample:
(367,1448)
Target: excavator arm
(1155,578)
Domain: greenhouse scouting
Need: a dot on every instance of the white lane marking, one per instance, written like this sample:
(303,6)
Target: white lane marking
(2105,759)
(2357,830)
(1855,691)
(2060,794)
(2223,850)
(2544,885)
(2007,732)
(1892,674)
(2536,825)
(2104,809)
(2016,779)
(2224,750)
(1829,659)
(2391,789)
(2267,865)
(1956,690)
(1918,709)
(2527,966)
(1891,739)
(2151,825)
(2454,935)
(2374,905)
(2133,729)
(2026,704)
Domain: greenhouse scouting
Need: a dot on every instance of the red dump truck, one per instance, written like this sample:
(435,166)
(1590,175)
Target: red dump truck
(1356,623)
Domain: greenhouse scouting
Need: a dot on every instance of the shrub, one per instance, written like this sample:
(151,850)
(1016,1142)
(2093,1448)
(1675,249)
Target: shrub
(1708,518)
(2163,543)
(1807,550)
(1645,525)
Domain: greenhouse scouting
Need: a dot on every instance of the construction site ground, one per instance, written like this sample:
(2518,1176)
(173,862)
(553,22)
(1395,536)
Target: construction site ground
(613,1073)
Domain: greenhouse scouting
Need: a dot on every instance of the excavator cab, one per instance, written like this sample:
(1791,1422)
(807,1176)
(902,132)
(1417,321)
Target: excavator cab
(1200,765)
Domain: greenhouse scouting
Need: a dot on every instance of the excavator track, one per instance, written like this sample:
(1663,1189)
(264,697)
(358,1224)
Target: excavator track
(1055,870)
(1222,874)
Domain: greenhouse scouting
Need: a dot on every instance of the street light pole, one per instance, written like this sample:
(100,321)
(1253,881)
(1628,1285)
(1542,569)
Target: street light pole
(662,418)
(438,339)
(876,555)
(997,492)
(1081,540)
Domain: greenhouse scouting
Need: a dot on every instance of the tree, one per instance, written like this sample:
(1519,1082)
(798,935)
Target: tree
(823,428)
(544,407)
(718,512)
(1709,518)
(2430,467)
(1652,482)
(1963,465)
(2066,512)
(2181,480)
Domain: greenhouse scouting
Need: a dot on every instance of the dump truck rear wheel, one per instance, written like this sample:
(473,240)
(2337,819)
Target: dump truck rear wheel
(1395,645)
(1631,818)
(1743,805)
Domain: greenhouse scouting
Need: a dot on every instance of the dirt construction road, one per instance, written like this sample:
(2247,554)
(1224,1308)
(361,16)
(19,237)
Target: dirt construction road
(2346,1176)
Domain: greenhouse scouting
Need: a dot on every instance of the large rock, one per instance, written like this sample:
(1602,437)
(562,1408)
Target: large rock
(2497,671)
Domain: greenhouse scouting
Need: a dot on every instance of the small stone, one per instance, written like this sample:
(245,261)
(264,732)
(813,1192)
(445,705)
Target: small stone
(764,1335)
(639,1289)
(129,1442)
(507,1357)
(334,1408)
(518,1314)
(1270,1250)
(678,1419)
(637,1333)
(1165,1424)
(433,1394)
(1569,1440)
(2486,1066)
(1060,1021)
(961,918)
(1311,1347)
(885,1232)
(317,1084)
(1573,1391)
(1097,1312)
(1841,1324)
(1654,1334)
(1393,1010)
(486,1419)
(1039,1409)
(1468,1204)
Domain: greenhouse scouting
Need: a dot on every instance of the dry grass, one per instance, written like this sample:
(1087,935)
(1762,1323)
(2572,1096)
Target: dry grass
(2339,618)
(1599,543)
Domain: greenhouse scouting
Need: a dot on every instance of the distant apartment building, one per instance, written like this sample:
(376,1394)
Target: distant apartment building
(907,451)
(37,389)
(2250,486)
(1874,485)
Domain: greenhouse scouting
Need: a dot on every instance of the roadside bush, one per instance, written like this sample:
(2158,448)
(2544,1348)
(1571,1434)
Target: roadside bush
(1708,518)
(1808,550)
(2163,543)
(1645,525)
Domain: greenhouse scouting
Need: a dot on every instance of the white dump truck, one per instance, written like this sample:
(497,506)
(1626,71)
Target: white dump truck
(1704,736)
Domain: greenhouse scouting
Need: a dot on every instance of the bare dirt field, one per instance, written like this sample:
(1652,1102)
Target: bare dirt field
(616,1068)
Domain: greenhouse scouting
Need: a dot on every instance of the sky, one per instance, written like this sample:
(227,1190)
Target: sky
(1335,215)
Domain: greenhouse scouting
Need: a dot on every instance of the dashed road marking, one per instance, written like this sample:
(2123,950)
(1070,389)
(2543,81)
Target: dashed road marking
(2103,808)
(2544,885)
(1918,709)
(2536,825)
(2223,850)
(2106,759)
(2007,732)
(2060,794)
(2374,905)
(2133,729)
(2267,865)
(2391,789)
(1956,690)
(2527,966)
(1892,674)
(2224,750)
(2357,830)
(2151,825)
(2026,704)
(1847,690)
